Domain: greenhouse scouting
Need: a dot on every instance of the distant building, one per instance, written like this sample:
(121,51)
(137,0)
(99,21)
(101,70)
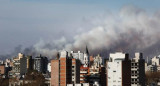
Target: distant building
(83,57)
(95,70)
(29,63)
(16,64)
(49,67)
(155,61)
(138,70)
(118,70)
(151,68)
(97,61)
(2,69)
(40,64)
(23,65)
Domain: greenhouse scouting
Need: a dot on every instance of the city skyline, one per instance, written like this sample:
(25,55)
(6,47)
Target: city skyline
(39,26)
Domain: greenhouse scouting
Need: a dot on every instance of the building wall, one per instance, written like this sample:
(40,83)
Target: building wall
(75,71)
(16,66)
(2,69)
(29,63)
(103,76)
(138,70)
(55,73)
(155,60)
(106,66)
(115,73)
(118,70)
(65,71)
(142,72)
(126,73)
(40,64)
(84,74)
(23,65)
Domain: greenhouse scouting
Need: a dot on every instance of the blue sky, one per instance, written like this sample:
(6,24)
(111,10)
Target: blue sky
(25,22)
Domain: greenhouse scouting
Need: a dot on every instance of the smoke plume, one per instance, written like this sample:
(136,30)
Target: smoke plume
(130,30)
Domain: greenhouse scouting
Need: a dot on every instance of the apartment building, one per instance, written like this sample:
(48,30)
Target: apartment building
(118,69)
(138,70)
(65,70)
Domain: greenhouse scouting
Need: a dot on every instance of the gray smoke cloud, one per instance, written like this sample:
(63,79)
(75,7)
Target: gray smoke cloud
(130,30)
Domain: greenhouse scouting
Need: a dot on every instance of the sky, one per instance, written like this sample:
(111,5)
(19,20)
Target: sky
(25,23)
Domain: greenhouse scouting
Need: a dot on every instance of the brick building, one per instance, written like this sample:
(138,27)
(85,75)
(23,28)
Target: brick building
(2,69)
(64,70)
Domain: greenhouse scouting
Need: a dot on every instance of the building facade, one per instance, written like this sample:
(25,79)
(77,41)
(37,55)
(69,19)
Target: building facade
(40,64)
(16,64)
(83,57)
(138,70)
(65,70)
(118,70)
(2,69)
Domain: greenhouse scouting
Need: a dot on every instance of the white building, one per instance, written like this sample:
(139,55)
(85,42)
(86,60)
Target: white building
(97,61)
(138,70)
(118,70)
(83,57)
(155,61)
(49,67)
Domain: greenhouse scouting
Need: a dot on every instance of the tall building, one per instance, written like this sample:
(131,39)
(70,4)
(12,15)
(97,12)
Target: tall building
(23,65)
(118,70)
(138,70)
(55,73)
(65,70)
(40,64)
(29,63)
(16,64)
(75,71)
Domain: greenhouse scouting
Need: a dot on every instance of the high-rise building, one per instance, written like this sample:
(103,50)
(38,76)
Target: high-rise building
(75,71)
(55,73)
(40,64)
(23,65)
(29,63)
(65,70)
(138,70)
(118,70)
(16,64)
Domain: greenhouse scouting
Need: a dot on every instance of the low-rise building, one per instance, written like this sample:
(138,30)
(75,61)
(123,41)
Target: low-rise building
(2,69)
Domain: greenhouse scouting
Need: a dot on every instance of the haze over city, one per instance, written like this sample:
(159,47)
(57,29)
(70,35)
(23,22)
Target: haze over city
(47,26)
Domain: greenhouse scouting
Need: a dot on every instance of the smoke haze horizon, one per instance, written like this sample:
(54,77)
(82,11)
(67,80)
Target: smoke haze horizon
(130,30)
